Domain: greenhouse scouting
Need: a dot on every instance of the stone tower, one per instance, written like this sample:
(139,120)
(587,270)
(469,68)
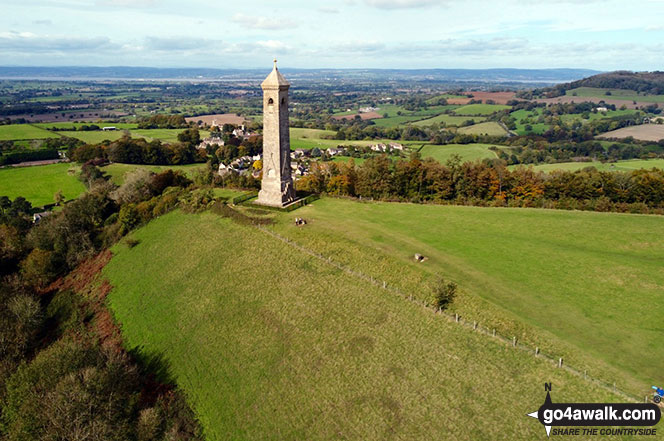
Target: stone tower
(277,186)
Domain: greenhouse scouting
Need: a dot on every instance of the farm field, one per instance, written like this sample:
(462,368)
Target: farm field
(39,183)
(480,109)
(117,171)
(311,138)
(450,120)
(219,118)
(597,115)
(615,94)
(486,128)
(626,165)
(93,137)
(524,117)
(580,281)
(467,152)
(23,131)
(165,135)
(66,125)
(644,132)
(318,355)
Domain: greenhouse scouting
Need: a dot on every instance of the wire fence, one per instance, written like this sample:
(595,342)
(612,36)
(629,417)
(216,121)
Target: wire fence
(556,361)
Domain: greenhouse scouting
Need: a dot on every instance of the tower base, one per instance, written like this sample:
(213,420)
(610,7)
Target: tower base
(276,194)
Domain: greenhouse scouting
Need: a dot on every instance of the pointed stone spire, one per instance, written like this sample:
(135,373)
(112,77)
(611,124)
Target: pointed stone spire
(275,79)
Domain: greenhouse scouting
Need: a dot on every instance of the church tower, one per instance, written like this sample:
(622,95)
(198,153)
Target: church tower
(277,186)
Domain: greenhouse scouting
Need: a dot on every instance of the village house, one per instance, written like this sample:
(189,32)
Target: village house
(210,141)
(379,148)
(396,146)
(332,151)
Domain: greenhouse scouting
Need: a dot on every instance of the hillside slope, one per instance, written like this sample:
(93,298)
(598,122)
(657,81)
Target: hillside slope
(271,343)
(584,285)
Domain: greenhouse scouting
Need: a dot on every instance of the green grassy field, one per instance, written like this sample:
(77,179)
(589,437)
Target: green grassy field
(598,115)
(94,137)
(486,128)
(270,343)
(117,171)
(24,131)
(528,117)
(480,109)
(310,138)
(66,125)
(626,165)
(397,120)
(583,285)
(616,94)
(39,183)
(450,120)
(165,135)
(467,152)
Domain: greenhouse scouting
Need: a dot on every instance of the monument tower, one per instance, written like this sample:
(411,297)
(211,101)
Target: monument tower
(277,186)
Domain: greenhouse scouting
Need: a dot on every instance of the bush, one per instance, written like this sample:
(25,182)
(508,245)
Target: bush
(72,390)
(443,293)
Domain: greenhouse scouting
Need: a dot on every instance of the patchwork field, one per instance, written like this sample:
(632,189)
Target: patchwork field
(626,165)
(614,94)
(480,109)
(644,132)
(526,118)
(467,152)
(219,119)
(286,346)
(39,183)
(68,125)
(450,120)
(23,131)
(486,128)
(93,137)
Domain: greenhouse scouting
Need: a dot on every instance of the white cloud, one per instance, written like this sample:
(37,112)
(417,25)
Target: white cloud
(13,41)
(404,4)
(258,22)
(328,10)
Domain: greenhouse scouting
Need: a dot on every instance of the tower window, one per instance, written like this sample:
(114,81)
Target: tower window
(270,102)
(283,101)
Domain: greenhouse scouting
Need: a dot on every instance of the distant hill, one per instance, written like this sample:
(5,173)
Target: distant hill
(535,76)
(651,83)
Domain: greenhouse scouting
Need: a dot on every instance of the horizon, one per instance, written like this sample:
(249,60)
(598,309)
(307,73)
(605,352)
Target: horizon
(353,34)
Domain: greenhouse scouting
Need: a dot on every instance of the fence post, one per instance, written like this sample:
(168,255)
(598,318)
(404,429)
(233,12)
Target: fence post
(474,325)
(560,362)
(536,351)
(456,317)
(514,341)
(494,332)
(384,284)
(585,374)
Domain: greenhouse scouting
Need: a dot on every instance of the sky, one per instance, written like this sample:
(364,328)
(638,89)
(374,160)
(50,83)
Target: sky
(594,34)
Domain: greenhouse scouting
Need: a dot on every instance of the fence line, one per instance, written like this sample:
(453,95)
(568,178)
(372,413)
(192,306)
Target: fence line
(455,318)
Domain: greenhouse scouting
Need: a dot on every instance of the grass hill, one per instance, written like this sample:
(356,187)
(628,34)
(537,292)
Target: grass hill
(269,342)
(581,283)
(651,83)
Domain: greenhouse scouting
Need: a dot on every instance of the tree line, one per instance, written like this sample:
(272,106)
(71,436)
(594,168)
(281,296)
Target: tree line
(488,183)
